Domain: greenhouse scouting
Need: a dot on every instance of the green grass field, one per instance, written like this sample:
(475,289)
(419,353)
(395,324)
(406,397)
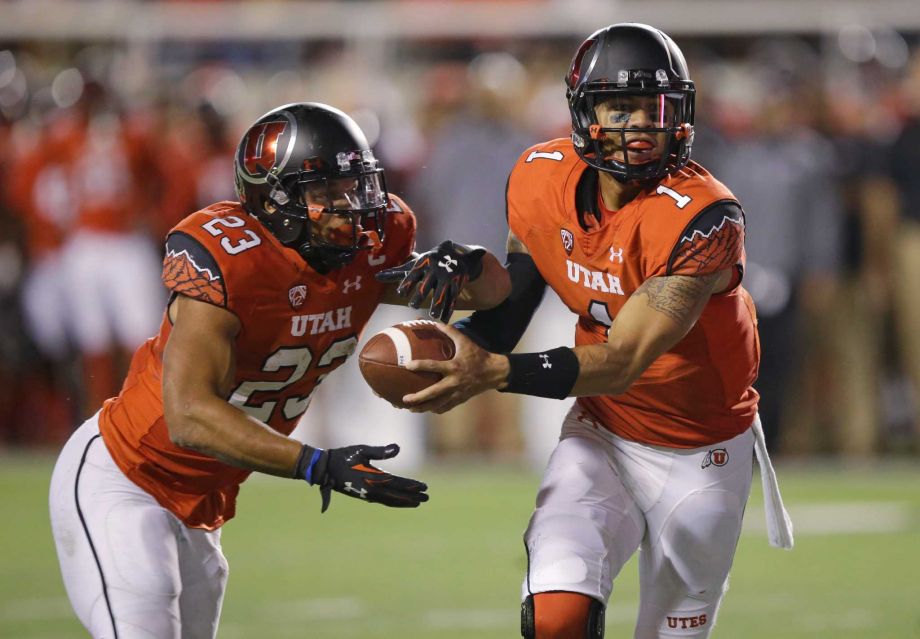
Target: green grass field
(452,569)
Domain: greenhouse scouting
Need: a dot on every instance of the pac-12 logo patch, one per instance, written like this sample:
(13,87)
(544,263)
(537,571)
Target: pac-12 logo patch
(297,295)
(568,240)
(715,457)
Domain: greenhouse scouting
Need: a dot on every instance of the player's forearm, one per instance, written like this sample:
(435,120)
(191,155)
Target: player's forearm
(215,428)
(596,369)
(489,289)
(653,320)
(605,369)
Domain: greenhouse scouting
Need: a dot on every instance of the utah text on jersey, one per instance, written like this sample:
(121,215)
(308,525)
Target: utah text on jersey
(595,280)
(321,322)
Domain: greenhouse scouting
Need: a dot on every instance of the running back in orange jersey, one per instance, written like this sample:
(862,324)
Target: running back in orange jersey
(689,223)
(297,326)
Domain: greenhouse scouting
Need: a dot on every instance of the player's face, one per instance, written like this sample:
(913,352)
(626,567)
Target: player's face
(329,204)
(635,114)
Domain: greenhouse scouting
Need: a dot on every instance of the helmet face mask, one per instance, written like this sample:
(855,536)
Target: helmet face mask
(632,103)
(306,172)
(343,214)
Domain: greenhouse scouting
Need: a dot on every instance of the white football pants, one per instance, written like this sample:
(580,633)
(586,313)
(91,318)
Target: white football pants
(130,567)
(604,497)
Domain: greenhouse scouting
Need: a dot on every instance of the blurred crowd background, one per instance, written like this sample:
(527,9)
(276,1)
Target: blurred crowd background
(111,133)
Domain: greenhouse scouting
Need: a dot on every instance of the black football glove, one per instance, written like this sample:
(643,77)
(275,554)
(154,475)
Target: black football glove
(443,272)
(348,471)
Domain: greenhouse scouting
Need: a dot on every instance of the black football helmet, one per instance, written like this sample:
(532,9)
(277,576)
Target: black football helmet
(625,64)
(306,172)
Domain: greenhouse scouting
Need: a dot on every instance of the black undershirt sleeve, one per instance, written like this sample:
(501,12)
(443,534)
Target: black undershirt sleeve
(499,329)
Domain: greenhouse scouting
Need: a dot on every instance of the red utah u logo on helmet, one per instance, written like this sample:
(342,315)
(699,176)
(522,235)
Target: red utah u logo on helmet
(261,149)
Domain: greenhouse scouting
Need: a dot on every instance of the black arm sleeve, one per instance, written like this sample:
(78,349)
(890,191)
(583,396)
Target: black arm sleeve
(499,329)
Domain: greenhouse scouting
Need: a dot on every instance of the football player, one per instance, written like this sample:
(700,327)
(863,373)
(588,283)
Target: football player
(647,249)
(268,296)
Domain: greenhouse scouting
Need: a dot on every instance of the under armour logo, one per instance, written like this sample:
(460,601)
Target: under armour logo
(545,359)
(616,255)
(349,284)
(362,493)
(448,263)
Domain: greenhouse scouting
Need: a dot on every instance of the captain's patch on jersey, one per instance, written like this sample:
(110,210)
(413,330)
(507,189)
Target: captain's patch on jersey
(189,269)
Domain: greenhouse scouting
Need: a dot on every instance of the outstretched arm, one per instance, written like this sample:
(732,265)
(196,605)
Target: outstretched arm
(198,374)
(198,371)
(654,319)
(448,276)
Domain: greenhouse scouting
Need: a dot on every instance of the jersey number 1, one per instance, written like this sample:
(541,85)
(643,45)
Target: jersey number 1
(682,200)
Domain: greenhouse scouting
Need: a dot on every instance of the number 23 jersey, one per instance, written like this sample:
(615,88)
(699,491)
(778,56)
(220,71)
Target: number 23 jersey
(699,392)
(297,326)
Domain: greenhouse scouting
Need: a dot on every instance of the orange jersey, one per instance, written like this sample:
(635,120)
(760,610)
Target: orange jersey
(297,326)
(699,392)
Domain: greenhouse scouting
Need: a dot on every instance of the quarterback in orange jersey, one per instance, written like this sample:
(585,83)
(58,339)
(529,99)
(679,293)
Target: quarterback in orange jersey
(647,249)
(268,296)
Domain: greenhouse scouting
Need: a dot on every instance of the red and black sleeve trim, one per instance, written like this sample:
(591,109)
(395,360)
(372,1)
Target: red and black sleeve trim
(712,241)
(189,269)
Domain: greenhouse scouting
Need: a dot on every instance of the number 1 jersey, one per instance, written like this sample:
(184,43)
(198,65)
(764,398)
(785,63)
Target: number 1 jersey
(699,392)
(297,326)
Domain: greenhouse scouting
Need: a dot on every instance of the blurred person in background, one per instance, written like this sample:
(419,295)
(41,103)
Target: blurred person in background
(17,377)
(479,141)
(81,200)
(904,158)
(459,193)
(109,260)
(268,296)
(39,192)
(859,319)
(766,151)
(646,247)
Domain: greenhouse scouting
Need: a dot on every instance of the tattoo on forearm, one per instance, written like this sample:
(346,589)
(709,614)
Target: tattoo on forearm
(679,297)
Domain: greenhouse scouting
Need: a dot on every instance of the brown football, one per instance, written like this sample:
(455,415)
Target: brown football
(382,358)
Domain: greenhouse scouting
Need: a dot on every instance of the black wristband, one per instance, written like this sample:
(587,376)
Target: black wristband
(549,374)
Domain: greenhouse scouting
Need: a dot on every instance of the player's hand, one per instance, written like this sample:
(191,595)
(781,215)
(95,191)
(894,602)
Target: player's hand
(348,471)
(441,272)
(471,371)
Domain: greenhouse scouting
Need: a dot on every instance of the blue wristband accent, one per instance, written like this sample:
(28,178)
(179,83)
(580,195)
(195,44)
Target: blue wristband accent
(308,475)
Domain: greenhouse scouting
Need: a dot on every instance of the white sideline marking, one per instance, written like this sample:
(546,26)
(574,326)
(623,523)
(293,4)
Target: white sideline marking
(839,518)
(324,609)
(845,620)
